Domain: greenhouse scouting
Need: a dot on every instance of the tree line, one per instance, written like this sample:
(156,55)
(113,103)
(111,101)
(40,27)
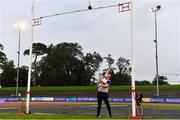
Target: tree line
(64,64)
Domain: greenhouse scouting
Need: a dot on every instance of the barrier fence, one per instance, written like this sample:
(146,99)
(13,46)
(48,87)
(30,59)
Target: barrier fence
(87,99)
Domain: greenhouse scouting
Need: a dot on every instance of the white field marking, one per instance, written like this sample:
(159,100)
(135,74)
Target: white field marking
(8,108)
(111,105)
(44,113)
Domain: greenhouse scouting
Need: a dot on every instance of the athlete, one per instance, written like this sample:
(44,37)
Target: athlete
(102,93)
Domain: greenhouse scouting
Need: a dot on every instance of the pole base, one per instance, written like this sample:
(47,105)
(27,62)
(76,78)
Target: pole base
(27,112)
(135,118)
(20,113)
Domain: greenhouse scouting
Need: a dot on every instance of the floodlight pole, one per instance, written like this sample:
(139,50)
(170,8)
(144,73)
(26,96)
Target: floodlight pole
(17,79)
(158,7)
(19,27)
(30,64)
(157,69)
(155,41)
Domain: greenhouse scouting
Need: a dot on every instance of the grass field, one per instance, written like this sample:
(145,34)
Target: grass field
(52,116)
(78,117)
(91,88)
(14,115)
(167,107)
(162,107)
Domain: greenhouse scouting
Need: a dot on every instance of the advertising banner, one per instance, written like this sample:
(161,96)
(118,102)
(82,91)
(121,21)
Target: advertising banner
(2,100)
(159,100)
(13,99)
(59,99)
(82,99)
(146,99)
(37,99)
(92,99)
(71,99)
(127,100)
(49,99)
(118,99)
(172,100)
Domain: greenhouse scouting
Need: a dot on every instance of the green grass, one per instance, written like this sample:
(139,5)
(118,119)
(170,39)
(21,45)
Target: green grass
(90,88)
(169,107)
(162,107)
(80,117)
(53,116)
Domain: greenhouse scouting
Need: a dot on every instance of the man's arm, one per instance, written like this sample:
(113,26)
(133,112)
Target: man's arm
(104,85)
(107,72)
(100,76)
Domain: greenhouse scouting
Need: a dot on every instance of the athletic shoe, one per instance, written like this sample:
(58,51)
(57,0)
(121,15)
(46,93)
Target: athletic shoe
(98,116)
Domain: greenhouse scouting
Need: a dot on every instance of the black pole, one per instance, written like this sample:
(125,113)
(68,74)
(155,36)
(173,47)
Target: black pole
(156,47)
(17,79)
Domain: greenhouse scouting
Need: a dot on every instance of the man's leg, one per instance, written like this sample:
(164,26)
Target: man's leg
(106,100)
(99,100)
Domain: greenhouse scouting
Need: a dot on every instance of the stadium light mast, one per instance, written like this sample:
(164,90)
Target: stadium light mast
(158,7)
(19,27)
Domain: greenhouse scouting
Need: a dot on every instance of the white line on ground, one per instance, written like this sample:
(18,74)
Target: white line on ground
(8,108)
(43,113)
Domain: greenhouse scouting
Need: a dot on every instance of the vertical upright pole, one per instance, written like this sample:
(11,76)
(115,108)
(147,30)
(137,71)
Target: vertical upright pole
(157,71)
(17,79)
(30,64)
(132,64)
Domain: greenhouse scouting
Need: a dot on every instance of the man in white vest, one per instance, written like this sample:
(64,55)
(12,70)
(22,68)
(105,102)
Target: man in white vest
(103,87)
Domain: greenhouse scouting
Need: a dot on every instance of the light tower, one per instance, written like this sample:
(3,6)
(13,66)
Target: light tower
(158,7)
(19,27)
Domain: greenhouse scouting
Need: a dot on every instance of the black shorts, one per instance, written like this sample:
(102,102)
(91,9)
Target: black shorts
(102,95)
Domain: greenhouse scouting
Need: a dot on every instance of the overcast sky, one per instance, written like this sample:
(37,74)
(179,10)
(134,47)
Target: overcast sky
(105,31)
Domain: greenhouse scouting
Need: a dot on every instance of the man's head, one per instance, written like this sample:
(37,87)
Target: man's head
(107,75)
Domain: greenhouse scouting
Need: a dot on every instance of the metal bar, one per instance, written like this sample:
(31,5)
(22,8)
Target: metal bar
(169,74)
(76,11)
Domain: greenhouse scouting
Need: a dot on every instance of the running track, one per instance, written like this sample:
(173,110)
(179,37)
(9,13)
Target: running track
(89,109)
